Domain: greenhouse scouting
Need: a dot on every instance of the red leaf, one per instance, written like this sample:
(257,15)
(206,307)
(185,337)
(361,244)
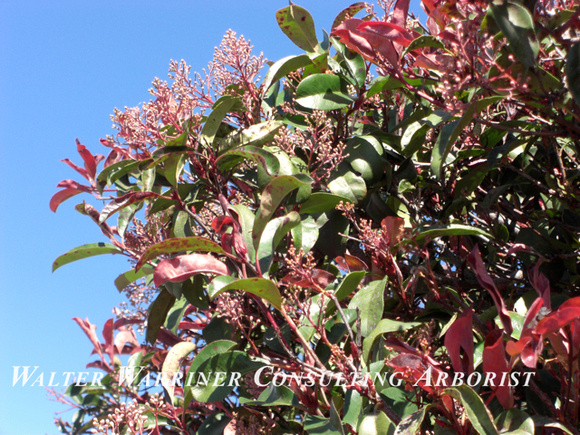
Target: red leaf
(387,39)
(124,337)
(61,196)
(222,223)
(400,12)
(71,184)
(494,361)
(474,260)
(317,278)
(541,284)
(124,201)
(393,228)
(113,157)
(349,36)
(558,319)
(460,336)
(184,266)
(89,159)
(80,170)
(90,331)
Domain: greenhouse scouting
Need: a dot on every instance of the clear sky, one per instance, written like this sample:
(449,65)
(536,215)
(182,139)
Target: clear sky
(64,67)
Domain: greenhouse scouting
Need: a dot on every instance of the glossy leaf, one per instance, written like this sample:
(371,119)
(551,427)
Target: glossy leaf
(271,198)
(85,251)
(383,327)
(351,11)
(447,138)
(376,425)
(182,244)
(209,351)
(256,135)
(411,424)
(172,365)
(323,92)
(319,202)
(221,370)
(180,268)
(132,275)
(475,261)
(297,23)
(476,411)
(261,287)
(494,361)
(62,195)
(370,303)
(157,314)
(275,230)
(573,71)
(124,201)
(262,157)
(517,25)
(283,67)
(459,341)
(449,230)
(349,185)
(215,118)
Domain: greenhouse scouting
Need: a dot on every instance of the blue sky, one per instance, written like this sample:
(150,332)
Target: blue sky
(64,67)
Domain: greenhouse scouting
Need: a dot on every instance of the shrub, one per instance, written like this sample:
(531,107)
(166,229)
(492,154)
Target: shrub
(380,236)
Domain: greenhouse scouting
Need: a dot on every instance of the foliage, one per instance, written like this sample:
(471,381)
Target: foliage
(387,225)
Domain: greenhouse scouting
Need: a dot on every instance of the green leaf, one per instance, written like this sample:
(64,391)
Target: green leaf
(173,166)
(352,407)
(383,83)
(573,71)
(305,234)
(349,284)
(158,313)
(515,422)
(355,64)
(271,198)
(273,396)
(175,314)
(275,230)
(132,275)
(256,135)
(193,291)
(209,351)
(383,327)
(349,12)
(319,425)
(283,67)
(411,425)
(446,139)
(85,251)
(370,303)
(376,425)
(364,154)
(449,230)
(215,118)
(222,372)
(297,23)
(476,411)
(214,424)
(262,157)
(323,92)
(517,25)
(422,42)
(319,202)
(182,244)
(413,138)
(172,364)
(261,287)
(349,185)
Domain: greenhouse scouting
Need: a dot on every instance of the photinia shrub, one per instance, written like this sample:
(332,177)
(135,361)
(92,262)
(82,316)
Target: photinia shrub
(380,236)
